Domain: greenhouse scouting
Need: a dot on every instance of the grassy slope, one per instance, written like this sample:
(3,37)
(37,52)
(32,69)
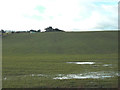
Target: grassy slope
(46,53)
(61,43)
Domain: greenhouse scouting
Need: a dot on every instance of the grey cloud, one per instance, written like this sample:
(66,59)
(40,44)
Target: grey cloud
(110,25)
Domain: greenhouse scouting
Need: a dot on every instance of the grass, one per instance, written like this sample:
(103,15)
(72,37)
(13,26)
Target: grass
(47,53)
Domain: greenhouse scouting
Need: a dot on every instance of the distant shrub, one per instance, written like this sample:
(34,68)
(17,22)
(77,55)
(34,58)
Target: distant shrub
(39,30)
(50,29)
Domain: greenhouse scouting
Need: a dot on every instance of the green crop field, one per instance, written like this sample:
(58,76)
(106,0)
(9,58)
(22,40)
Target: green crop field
(47,60)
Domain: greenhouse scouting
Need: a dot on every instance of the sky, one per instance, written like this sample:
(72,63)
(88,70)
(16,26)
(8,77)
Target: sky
(68,15)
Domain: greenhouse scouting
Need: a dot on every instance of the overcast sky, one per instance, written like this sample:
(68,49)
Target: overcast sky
(68,15)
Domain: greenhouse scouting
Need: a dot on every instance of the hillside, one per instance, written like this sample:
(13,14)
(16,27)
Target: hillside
(61,43)
(40,60)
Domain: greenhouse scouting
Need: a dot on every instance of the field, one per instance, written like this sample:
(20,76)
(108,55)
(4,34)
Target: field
(47,60)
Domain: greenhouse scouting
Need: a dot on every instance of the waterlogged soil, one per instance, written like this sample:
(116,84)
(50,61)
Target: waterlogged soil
(89,72)
(84,75)
(92,75)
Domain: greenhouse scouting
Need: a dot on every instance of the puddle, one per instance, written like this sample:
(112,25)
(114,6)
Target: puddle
(74,76)
(39,75)
(93,75)
(106,65)
(5,78)
(80,77)
(24,76)
(81,62)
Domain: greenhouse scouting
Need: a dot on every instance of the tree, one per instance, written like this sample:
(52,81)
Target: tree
(32,30)
(2,31)
(12,32)
(39,30)
(49,29)
(58,30)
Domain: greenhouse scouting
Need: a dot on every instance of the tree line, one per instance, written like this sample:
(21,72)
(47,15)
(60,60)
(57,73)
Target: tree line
(48,29)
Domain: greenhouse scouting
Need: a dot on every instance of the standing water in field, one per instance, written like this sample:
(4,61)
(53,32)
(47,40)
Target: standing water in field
(81,62)
(84,75)
(93,75)
(106,65)
(87,75)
